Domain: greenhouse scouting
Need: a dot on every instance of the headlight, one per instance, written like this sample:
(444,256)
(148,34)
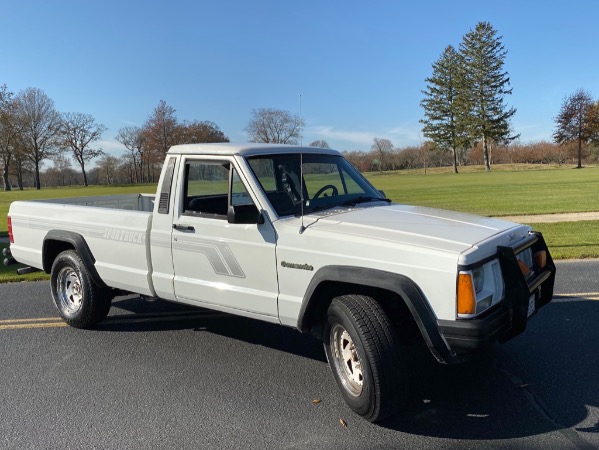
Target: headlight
(478,289)
(478,277)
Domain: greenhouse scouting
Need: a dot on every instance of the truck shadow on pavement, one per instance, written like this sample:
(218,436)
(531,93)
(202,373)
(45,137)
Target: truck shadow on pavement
(161,315)
(542,381)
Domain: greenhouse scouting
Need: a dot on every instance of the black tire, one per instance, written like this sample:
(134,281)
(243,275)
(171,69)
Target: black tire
(80,302)
(364,355)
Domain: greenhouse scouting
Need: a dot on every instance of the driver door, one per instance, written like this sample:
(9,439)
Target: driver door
(216,262)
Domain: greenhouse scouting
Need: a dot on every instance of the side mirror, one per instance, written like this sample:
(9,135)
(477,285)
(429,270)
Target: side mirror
(244,214)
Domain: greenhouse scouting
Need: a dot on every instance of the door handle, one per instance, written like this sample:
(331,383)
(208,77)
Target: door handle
(179,227)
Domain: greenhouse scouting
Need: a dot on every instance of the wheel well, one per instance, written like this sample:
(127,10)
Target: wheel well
(392,303)
(53,248)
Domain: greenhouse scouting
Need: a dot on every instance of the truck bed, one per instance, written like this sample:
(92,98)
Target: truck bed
(102,221)
(131,202)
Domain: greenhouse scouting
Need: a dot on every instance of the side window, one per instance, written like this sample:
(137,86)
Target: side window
(239,194)
(206,188)
(265,171)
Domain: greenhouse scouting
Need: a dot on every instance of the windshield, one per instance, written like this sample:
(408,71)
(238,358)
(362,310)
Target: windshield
(328,181)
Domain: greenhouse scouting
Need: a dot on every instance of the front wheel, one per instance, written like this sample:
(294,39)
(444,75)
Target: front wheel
(80,302)
(363,353)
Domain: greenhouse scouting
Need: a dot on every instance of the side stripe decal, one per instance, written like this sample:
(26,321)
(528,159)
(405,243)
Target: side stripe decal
(218,253)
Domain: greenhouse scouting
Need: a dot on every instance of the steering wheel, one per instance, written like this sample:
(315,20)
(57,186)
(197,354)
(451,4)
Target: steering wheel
(334,190)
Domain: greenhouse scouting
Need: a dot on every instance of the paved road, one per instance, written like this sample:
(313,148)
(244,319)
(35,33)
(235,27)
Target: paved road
(157,375)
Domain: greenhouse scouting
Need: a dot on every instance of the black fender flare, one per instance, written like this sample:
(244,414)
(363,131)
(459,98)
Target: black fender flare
(401,285)
(79,243)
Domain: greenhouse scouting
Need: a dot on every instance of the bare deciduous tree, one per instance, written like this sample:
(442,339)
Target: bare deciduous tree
(41,123)
(382,147)
(577,121)
(198,132)
(108,164)
(62,174)
(160,131)
(133,138)
(320,144)
(274,126)
(10,127)
(161,128)
(77,131)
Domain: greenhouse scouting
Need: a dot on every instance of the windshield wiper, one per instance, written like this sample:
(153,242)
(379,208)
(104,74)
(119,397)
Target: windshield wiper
(352,202)
(364,199)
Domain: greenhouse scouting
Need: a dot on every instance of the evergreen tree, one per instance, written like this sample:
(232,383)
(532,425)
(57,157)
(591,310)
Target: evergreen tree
(445,104)
(487,84)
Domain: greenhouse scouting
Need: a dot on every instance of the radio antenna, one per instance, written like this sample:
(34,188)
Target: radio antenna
(302,227)
(300,121)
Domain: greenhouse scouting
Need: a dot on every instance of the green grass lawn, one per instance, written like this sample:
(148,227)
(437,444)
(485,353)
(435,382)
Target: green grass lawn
(571,240)
(497,193)
(507,190)
(9,274)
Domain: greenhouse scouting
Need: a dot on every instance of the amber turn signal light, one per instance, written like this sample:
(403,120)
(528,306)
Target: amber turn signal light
(466,297)
(540,259)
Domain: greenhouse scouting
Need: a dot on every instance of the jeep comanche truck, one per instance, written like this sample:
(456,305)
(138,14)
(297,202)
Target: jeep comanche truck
(296,236)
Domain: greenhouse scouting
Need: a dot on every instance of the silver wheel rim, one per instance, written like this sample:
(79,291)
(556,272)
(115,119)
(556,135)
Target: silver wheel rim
(346,360)
(69,290)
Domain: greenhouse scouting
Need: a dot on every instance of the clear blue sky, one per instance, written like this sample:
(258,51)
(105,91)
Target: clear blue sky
(359,66)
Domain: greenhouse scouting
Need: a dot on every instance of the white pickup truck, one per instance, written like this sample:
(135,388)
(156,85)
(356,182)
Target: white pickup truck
(296,236)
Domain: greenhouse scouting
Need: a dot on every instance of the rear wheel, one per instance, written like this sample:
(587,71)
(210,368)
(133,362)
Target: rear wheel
(80,302)
(364,355)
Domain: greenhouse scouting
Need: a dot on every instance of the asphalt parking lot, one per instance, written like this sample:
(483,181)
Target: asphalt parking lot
(160,375)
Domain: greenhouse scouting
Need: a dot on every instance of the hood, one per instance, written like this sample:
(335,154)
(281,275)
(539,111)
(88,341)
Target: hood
(414,225)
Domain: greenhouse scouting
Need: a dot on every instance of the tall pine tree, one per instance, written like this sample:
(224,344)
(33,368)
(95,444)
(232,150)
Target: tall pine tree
(445,104)
(487,85)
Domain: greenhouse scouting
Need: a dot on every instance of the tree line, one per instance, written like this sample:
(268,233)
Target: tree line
(429,155)
(109,169)
(32,132)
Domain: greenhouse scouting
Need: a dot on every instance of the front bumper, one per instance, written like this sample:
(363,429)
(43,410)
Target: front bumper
(508,318)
